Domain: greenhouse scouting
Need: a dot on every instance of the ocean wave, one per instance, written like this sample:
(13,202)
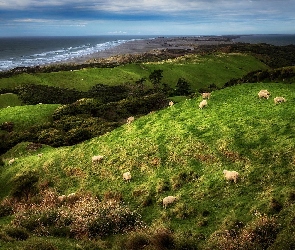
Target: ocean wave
(57,56)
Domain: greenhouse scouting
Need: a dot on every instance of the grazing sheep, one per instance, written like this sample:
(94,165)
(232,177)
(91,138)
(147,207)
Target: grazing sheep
(169,200)
(206,95)
(127,176)
(231,175)
(71,195)
(263,93)
(130,119)
(40,155)
(61,198)
(11,161)
(97,158)
(279,99)
(203,104)
(171,103)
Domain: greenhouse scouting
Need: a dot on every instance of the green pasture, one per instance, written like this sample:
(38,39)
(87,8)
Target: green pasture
(27,116)
(199,71)
(9,100)
(182,151)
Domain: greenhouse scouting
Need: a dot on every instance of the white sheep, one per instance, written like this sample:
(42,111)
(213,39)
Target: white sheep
(203,104)
(40,155)
(231,175)
(169,200)
(61,198)
(127,176)
(171,103)
(97,158)
(279,99)
(11,161)
(263,93)
(130,119)
(206,95)
(71,195)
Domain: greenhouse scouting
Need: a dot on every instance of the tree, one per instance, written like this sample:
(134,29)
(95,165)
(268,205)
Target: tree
(182,87)
(140,83)
(156,77)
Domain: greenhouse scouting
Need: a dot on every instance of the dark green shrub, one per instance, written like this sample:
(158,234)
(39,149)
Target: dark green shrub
(162,186)
(2,163)
(51,136)
(25,184)
(7,126)
(163,239)
(60,231)
(136,241)
(182,87)
(34,94)
(5,210)
(17,233)
(106,93)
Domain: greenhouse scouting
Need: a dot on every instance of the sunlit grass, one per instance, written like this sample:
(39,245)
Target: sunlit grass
(182,150)
(9,100)
(199,71)
(26,116)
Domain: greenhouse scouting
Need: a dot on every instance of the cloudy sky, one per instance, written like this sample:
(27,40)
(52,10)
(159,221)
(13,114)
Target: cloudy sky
(146,17)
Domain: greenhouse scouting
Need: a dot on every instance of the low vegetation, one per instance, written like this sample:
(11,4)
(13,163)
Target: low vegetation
(180,150)
(54,197)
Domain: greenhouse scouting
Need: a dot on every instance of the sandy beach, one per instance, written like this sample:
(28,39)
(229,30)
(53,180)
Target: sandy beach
(156,45)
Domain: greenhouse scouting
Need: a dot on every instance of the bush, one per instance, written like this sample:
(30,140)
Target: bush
(7,126)
(163,239)
(259,234)
(25,184)
(162,186)
(135,241)
(182,87)
(85,218)
(17,233)
(34,94)
(105,93)
(2,163)
(5,210)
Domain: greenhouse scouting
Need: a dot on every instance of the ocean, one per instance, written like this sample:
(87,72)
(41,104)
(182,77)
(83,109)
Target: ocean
(278,40)
(34,51)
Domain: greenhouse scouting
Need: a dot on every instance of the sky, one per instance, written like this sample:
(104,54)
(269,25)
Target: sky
(146,17)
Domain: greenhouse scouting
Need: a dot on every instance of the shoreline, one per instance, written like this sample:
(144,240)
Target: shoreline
(122,53)
(154,45)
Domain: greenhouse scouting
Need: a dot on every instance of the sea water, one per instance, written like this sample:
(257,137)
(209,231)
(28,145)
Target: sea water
(33,51)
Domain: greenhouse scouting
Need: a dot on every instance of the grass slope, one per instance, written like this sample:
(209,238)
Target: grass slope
(26,116)
(182,151)
(199,71)
(9,99)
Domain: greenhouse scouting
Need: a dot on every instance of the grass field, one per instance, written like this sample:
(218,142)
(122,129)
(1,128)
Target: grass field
(199,71)
(29,115)
(9,99)
(182,151)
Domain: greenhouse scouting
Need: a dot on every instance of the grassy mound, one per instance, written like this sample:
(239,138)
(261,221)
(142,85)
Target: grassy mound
(182,151)
(199,70)
(29,115)
(9,99)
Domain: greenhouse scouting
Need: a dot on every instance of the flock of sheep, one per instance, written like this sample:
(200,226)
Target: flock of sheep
(264,93)
(228,175)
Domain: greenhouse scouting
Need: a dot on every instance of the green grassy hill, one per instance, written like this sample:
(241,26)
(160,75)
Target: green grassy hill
(9,99)
(198,70)
(28,115)
(182,151)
